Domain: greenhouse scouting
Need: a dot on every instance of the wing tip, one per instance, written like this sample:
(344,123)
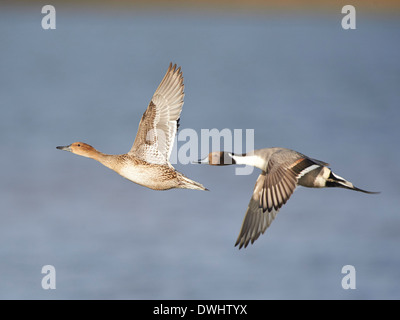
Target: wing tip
(174,68)
(240,243)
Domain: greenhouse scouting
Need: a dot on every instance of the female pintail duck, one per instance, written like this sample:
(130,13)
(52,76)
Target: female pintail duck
(282,170)
(147,163)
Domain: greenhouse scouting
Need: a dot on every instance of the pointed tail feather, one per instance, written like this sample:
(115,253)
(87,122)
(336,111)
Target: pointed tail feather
(187,183)
(365,191)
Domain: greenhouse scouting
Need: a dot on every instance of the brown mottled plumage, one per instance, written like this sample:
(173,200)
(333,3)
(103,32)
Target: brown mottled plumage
(147,163)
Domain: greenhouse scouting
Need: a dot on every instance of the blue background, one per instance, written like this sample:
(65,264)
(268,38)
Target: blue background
(299,80)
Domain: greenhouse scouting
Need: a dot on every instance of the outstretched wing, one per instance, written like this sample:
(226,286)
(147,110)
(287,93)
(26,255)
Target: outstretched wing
(272,190)
(159,123)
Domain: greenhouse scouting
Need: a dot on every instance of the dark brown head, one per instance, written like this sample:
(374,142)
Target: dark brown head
(218,158)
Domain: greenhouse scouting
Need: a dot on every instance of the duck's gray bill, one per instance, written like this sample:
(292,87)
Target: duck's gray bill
(65,148)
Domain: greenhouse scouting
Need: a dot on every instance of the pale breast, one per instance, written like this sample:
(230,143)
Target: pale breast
(152,176)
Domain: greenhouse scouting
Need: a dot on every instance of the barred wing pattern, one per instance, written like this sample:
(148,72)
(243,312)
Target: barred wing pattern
(272,190)
(160,121)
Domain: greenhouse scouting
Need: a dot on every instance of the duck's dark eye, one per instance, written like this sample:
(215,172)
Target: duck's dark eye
(79,144)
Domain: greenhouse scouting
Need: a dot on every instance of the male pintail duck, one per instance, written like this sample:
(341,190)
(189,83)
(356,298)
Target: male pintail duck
(282,170)
(147,163)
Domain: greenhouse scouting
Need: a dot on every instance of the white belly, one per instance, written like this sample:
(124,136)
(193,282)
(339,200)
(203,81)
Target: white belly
(138,175)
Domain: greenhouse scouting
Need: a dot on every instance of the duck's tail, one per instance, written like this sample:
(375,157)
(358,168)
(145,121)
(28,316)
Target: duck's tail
(337,181)
(186,183)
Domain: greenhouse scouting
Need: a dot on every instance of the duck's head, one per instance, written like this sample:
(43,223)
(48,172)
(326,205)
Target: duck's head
(79,148)
(218,158)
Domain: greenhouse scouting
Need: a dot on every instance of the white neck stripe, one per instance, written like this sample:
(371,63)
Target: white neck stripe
(254,161)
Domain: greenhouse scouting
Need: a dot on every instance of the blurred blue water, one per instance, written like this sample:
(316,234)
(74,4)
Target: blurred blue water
(300,81)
